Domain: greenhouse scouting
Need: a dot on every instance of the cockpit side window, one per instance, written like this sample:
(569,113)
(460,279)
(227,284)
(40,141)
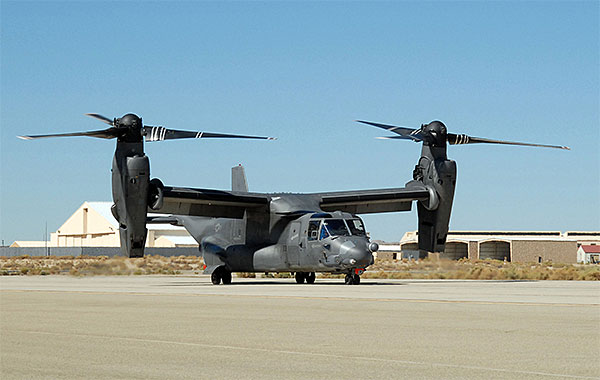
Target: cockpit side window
(356,227)
(313,229)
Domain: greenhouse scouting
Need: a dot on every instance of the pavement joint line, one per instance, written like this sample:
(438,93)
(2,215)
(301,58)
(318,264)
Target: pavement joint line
(317,354)
(318,298)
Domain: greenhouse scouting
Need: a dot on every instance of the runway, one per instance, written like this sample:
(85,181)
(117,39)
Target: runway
(157,327)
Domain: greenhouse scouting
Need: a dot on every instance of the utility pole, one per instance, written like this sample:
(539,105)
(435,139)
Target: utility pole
(46,238)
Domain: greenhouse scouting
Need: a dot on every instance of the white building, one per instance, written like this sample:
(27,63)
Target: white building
(93,225)
(588,254)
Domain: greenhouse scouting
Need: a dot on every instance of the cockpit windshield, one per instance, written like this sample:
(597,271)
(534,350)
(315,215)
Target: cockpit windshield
(333,227)
(356,227)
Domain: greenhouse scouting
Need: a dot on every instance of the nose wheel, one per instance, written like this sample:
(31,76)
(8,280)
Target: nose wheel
(352,279)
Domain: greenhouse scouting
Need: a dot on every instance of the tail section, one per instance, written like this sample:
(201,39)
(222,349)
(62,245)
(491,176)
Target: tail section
(238,179)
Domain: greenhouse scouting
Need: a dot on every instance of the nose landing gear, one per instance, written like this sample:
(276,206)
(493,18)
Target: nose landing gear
(353,278)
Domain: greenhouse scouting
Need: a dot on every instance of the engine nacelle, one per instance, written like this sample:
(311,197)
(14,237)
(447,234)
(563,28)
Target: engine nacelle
(437,173)
(130,185)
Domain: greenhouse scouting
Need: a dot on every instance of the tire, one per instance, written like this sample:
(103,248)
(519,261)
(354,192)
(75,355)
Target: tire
(215,277)
(356,279)
(349,280)
(311,277)
(300,277)
(226,277)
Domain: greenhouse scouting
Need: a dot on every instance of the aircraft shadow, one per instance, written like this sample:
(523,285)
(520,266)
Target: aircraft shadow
(330,283)
(275,282)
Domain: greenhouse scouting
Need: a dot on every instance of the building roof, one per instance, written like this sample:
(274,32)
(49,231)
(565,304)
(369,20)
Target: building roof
(388,247)
(30,244)
(481,236)
(591,248)
(103,208)
(181,240)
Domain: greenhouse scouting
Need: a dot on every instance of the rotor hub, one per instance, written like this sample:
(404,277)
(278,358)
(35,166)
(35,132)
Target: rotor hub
(435,133)
(131,128)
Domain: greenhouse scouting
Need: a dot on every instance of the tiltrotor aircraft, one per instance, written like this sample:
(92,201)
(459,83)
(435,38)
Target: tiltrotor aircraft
(241,231)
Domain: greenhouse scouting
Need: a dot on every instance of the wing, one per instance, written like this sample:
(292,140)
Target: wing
(207,202)
(373,201)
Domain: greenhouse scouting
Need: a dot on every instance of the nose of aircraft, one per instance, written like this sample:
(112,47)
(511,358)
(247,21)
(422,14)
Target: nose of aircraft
(356,253)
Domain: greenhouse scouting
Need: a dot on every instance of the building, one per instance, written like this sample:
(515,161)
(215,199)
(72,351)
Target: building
(587,254)
(584,237)
(93,225)
(387,251)
(517,246)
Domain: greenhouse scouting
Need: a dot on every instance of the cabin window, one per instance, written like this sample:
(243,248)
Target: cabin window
(313,229)
(356,227)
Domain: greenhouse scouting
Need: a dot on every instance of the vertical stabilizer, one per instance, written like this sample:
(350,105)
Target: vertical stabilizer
(238,179)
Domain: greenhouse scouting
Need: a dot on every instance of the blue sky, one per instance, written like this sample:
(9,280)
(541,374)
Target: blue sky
(524,71)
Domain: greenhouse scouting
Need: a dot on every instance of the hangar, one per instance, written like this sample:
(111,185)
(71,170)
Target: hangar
(517,246)
(93,225)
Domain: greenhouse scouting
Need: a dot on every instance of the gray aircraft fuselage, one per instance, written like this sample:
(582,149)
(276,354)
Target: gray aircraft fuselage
(314,242)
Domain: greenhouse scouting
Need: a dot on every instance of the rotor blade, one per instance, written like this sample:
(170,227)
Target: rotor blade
(464,139)
(101,118)
(162,133)
(397,138)
(413,134)
(109,133)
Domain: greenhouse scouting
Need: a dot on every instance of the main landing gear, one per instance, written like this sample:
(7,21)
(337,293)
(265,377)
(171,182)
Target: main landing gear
(309,277)
(221,274)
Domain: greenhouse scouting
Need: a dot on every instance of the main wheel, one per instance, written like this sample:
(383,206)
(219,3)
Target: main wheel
(215,277)
(311,277)
(226,276)
(349,280)
(300,277)
(356,279)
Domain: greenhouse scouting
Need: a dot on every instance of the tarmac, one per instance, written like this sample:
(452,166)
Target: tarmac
(158,327)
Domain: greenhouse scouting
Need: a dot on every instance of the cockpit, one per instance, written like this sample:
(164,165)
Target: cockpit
(323,226)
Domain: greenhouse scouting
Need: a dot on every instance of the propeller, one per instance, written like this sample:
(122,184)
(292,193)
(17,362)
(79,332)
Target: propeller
(129,128)
(435,133)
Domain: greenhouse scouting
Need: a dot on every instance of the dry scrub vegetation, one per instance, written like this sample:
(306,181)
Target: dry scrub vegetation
(480,270)
(385,269)
(100,265)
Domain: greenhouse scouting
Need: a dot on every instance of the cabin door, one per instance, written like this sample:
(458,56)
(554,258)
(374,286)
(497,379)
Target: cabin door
(294,249)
